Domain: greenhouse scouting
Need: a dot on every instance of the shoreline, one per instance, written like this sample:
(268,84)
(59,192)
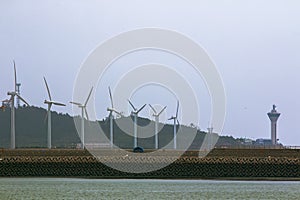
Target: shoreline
(219,164)
(237,179)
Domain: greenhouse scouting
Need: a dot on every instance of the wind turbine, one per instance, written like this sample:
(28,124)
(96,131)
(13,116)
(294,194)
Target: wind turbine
(210,132)
(83,111)
(50,103)
(5,103)
(135,113)
(12,116)
(174,118)
(111,118)
(156,116)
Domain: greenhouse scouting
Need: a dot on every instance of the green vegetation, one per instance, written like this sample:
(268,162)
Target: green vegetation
(31,131)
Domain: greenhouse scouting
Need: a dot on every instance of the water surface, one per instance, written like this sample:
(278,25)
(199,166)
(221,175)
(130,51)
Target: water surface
(68,188)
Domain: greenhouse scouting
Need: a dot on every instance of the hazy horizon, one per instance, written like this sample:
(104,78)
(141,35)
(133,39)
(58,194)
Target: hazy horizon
(255,46)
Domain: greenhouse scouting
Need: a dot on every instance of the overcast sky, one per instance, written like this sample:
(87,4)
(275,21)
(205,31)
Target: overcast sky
(255,46)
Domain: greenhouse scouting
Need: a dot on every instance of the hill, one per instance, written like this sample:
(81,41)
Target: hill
(31,131)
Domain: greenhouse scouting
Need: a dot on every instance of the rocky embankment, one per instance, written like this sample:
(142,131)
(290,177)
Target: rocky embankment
(219,163)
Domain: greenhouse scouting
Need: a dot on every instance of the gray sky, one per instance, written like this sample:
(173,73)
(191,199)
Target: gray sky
(254,44)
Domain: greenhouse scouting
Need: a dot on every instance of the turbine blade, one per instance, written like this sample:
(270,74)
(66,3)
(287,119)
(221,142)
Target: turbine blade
(162,110)
(153,109)
(22,99)
(86,114)
(119,113)
(88,97)
(111,99)
(15,72)
(134,108)
(46,116)
(75,103)
(177,108)
(170,118)
(48,90)
(58,104)
(141,109)
(178,122)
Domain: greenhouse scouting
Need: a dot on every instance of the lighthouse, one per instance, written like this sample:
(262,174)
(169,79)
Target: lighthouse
(274,115)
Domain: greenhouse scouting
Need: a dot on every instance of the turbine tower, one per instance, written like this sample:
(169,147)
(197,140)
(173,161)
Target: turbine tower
(111,110)
(174,118)
(12,116)
(18,91)
(135,113)
(50,103)
(83,111)
(210,132)
(156,116)
(274,115)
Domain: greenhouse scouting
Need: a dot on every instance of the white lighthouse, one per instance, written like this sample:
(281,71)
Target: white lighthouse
(274,115)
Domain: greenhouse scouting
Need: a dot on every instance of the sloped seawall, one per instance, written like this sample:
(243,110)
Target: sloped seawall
(219,163)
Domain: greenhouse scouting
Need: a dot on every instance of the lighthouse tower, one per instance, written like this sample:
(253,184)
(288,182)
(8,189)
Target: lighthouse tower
(274,115)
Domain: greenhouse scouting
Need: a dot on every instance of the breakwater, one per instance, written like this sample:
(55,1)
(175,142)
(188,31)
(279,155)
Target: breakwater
(219,163)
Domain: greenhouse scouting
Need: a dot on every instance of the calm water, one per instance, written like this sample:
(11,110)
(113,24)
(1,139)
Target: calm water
(65,188)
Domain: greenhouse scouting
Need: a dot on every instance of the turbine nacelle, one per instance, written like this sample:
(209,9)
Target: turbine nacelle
(50,99)
(135,111)
(132,113)
(172,118)
(12,93)
(54,103)
(175,118)
(111,110)
(138,111)
(155,114)
(83,106)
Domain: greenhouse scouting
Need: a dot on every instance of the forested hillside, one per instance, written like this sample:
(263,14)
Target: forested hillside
(31,131)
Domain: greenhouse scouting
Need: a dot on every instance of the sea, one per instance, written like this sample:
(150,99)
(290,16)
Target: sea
(73,188)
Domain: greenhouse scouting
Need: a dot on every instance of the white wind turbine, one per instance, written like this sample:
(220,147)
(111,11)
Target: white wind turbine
(5,103)
(174,118)
(135,113)
(83,111)
(156,116)
(111,118)
(12,103)
(50,103)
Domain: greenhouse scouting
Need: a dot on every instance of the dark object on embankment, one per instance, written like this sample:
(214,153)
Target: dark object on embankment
(220,163)
(138,150)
